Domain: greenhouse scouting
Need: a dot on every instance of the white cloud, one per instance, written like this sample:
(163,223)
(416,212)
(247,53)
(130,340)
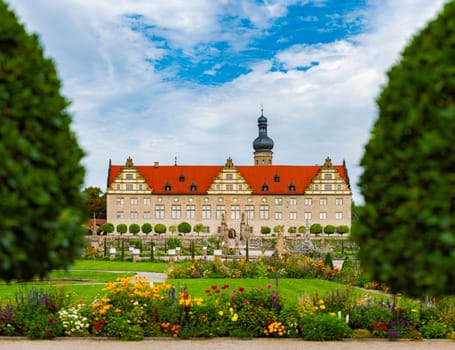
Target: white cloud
(123,107)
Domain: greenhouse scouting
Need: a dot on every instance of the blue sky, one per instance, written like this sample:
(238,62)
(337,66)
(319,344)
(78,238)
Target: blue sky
(159,79)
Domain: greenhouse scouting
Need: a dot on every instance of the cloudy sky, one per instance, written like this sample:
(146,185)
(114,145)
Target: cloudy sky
(159,79)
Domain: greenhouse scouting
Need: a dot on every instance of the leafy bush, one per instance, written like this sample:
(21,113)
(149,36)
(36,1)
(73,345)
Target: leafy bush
(41,172)
(405,230)
(134,229)
(265,230)
(434,330)
(122,228)
(316,229)
(324,327)
(146,228)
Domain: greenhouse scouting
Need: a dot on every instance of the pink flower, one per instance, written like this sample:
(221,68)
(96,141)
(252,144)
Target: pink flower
(234,297)
(269,286)
(245,301)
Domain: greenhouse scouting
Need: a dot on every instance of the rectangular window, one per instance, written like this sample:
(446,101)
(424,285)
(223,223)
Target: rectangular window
(264,212)
(175,212)
(278,216)
(316,187)
(323,215)
(323,201)
(328,187)
(278,201)
(308,201)
(129,176)
(140,187)
(229,187)
(293,216)
(206,212)
(133,201)
(235,212)
(159,212)
(249,210)
(120,215)
(118,186)
(327,176)
(133,215)
(120,201)
(339,216)
(220,211)
(339,201)
(129,187)
(190,211)
(218,187)
(240,187)
(228,176)
(147,215)
(293,201)
(207,229)
(146,201)
(307,215)
(339,187)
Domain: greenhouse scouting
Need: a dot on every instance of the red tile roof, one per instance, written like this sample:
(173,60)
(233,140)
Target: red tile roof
(203,176)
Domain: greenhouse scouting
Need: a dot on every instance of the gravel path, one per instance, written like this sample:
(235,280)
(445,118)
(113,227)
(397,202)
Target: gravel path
(218,344)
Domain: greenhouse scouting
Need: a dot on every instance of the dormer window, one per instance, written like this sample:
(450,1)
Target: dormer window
(292,187)
(265,187)
(167,187)
(276,178)
(193,187)
(182,178)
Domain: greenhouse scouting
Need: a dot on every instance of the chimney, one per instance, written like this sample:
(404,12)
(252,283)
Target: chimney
(156,164)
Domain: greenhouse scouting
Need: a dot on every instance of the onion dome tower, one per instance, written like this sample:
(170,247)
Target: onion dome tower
(263,144)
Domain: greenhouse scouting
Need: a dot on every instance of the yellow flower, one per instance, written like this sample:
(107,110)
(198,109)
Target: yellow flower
(332,314)
(118,310)
(220,313)
(322,307)
(235,318)
(321,302)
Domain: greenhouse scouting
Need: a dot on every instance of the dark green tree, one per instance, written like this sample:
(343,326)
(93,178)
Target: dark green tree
(134,229)
(342,229)
(184,227)
(406,229)
(108,227)
(329,229)
(199,228)
(41,175)
(146,228)
(160,228)
(95,201)
(122,228)
(316,229)
(265,230)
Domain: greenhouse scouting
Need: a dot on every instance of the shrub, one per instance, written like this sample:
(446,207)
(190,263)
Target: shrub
(134,229)
(41,174)
(405,230)
(329,229)
(361,333)
(265,230)
(122,228)
(146,228)
(316,229)
(184,227)
(108,227)
(324,327)
(160,228)
(434,330)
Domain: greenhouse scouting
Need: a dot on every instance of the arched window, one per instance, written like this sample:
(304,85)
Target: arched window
(193,187)
(182,178)
(265,187)
(167,187)
(292,187)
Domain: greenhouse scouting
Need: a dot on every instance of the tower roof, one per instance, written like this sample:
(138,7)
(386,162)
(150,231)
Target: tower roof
(262,143)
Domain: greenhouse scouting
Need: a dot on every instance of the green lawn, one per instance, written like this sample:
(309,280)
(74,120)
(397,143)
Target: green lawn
(87,278)
(290,289)
(105,265)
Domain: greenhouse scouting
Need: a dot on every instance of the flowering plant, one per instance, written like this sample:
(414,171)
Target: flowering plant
(73,320)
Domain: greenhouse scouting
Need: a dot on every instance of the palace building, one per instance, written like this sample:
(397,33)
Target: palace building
(259,195)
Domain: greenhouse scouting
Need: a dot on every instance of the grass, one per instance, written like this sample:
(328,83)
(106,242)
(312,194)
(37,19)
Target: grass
(86,279)
(289,288)
(106,265)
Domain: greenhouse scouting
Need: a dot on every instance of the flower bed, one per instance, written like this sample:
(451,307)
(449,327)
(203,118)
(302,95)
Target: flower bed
(131,309)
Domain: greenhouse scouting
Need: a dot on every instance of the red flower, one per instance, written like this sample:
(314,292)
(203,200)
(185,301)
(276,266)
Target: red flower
(214,287)
(241,289)
(207,291)
(99,325)
(217,291)
(225,286)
